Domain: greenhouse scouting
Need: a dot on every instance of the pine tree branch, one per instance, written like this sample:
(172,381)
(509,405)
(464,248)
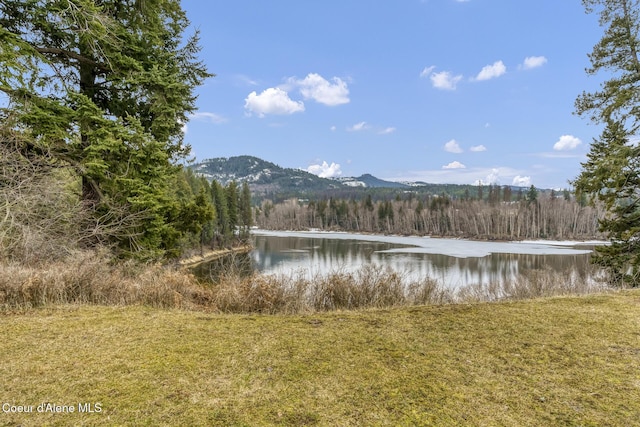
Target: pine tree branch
(630,36)
(73,55)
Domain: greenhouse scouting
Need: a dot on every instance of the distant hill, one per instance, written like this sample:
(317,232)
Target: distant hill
(268,180)
(264,178)
(370,181)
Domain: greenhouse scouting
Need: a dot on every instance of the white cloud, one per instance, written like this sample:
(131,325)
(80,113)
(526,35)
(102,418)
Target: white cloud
(316,87)
(364,126)
(521,181)
(533,62)
(452,147)
(454,165)
(387,131)
(209,117)
(566,142)
(492,71)
(426,71)
(203,116)
(478,148)
(332,128)
(444,80)
(325,170)
(459,176)
(358,127)
(559,155)
(492,178)
(272,101)
(243,80)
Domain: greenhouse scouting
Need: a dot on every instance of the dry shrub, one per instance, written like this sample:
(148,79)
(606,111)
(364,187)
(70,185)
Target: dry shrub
(43,216)
(39,201)
(92,278)
(56,283)
(369,287)
(428,291)
(260,294)
(534,284)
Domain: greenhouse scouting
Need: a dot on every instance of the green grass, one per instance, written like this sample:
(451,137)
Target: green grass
(565,361)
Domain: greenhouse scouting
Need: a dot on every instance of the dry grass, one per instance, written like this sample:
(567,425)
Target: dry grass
(91,278)
(369,287)
(535,284)
(565,361)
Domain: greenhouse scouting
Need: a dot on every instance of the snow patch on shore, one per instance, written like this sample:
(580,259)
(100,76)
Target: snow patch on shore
(459,248)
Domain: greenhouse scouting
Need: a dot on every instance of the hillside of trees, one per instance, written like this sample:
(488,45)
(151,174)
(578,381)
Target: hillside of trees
(269,181)
(501,215)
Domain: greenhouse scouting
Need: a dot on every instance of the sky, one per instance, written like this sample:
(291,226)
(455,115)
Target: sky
(441,91)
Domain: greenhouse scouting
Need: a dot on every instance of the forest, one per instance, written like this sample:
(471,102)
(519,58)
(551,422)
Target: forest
(500,215)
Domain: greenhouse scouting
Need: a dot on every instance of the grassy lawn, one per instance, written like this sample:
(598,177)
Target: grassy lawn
(565,361)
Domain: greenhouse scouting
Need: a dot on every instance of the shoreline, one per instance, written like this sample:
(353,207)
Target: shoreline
(566,242)
(213,254)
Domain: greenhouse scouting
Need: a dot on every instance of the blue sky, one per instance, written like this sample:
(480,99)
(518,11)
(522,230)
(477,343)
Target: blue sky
(442,91)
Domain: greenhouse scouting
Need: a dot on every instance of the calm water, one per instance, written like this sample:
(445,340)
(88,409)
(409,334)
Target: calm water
(295,253)
(453,263)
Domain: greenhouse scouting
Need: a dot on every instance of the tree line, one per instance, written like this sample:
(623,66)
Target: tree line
(219,216)
(500,215)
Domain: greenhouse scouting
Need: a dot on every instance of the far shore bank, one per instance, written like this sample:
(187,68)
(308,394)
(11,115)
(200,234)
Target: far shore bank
(564,242)
(455,247)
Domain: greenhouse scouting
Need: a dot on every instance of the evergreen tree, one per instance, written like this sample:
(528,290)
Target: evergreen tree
(368,203)
(480,195)
(532,195)
(220,203)
(105,86)
(209,227)
(612,175)
(612,172)
(246,217)
(506,194)
(232,198)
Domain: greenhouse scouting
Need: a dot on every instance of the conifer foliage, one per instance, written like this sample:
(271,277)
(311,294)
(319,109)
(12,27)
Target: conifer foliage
(105,86)
(611,174)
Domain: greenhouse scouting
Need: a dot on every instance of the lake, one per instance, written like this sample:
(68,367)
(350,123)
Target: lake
(452,262)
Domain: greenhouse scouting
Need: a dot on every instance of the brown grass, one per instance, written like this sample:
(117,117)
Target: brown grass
(535,284)
(90,278)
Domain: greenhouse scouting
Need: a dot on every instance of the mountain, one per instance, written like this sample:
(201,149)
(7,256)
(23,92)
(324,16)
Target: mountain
(268,180)
(264,178)
(262,173)
(368,180)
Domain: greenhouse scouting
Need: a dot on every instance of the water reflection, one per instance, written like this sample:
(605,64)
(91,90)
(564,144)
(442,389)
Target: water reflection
(237,264)
(311,255)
